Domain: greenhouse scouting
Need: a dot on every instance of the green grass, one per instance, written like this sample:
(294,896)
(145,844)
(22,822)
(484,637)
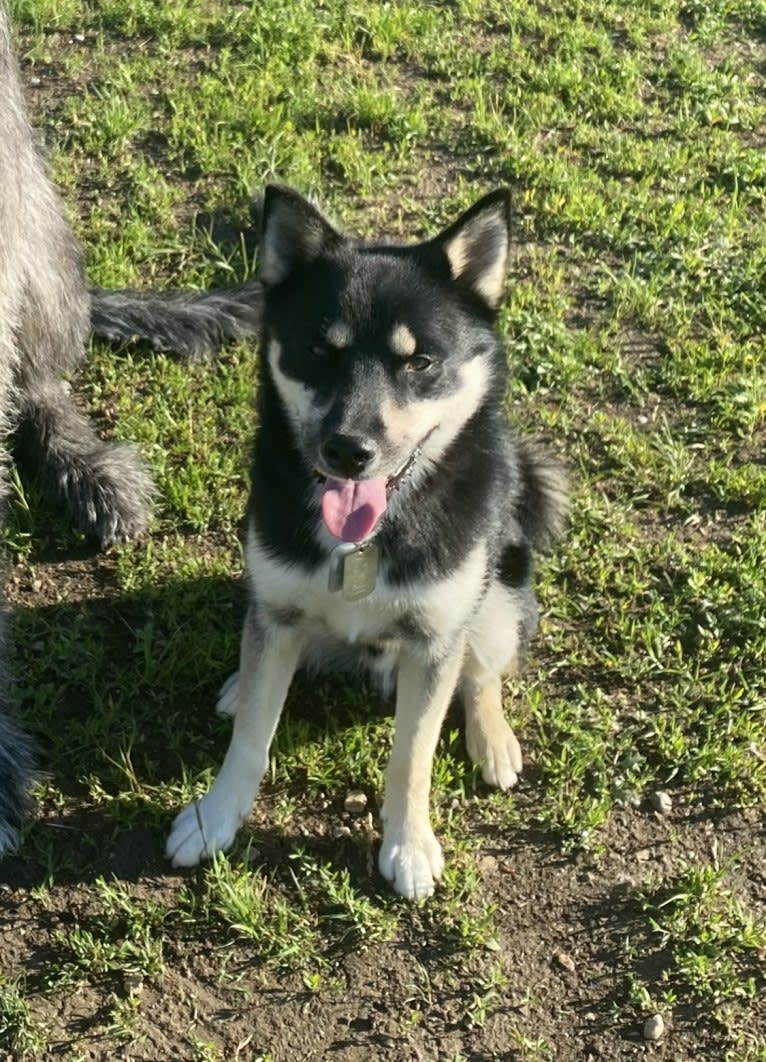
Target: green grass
(711,945)
(20,1032)
(631,137)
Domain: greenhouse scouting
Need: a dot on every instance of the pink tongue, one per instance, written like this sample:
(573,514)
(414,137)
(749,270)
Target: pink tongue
(351,508)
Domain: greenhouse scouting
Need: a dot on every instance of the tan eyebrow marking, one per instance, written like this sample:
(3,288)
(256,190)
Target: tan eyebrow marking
(338,335)
(403,342)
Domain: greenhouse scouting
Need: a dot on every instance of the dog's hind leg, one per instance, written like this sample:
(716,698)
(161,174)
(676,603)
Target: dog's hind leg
(410,855)
(498,636)
(103,484)
(269,657)
(491,743)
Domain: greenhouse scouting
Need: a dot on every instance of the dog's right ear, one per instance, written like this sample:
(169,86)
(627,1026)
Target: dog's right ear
(293,234)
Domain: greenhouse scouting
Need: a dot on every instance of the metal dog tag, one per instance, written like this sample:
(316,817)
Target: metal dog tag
(360,572)
(354,570)
(337,562)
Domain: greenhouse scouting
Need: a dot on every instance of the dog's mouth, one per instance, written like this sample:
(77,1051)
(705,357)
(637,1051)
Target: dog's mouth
(351,508)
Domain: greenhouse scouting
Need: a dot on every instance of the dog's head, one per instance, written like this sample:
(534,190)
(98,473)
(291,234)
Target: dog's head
(380,354)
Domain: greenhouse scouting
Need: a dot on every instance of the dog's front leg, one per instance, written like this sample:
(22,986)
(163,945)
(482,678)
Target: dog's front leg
(410,856)
(268,659)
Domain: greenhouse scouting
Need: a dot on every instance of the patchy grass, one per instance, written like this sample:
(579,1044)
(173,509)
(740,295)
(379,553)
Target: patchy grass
(632,138)
(20,1032)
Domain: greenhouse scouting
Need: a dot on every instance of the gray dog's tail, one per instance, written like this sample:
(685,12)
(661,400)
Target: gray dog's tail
(193,324)
(16,773)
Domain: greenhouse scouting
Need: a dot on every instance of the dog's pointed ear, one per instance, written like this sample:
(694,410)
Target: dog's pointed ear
(293,233)
(476,247)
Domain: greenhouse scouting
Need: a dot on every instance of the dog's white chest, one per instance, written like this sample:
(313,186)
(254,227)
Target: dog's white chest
(439,607)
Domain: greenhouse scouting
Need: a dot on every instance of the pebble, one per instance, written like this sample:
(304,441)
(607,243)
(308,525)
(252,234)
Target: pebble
(654,1027)
(565,960)
(355,802)
(487,866)
(661,801)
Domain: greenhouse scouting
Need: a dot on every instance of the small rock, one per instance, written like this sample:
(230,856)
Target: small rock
(662,802)
(654,1027)
(133,983)
(487,865)
(341,831)
(565,960)
(355,802)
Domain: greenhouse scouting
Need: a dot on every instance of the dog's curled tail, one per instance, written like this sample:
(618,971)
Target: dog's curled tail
(16,774)
(544,501)
(192,324)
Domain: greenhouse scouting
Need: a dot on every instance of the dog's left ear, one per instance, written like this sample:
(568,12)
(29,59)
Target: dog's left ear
(476,247)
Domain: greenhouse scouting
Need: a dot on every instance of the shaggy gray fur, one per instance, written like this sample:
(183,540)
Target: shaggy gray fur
(44,311)
(44,322)
(16,768)
(190,323)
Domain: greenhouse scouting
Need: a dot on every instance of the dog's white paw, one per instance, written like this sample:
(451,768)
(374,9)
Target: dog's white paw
(493,747)
(204,827)
(228,696)
(412,861)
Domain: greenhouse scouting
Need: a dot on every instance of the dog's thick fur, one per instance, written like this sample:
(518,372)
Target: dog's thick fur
(43,328)
(46,313)
(380,419)
(44,323)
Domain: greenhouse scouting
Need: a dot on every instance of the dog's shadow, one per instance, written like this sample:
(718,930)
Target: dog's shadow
(118,691)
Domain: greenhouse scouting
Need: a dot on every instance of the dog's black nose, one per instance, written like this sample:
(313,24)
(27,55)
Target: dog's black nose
(347,456)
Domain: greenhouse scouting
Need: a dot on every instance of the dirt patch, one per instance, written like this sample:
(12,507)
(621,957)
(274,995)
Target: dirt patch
(570,934)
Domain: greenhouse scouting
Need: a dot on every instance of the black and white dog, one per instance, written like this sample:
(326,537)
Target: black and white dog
(393,512)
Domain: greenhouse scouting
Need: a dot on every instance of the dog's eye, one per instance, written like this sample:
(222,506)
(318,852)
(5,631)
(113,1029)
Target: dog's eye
(418,363)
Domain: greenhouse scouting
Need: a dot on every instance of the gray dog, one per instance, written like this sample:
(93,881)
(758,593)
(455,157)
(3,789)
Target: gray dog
(45,318)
